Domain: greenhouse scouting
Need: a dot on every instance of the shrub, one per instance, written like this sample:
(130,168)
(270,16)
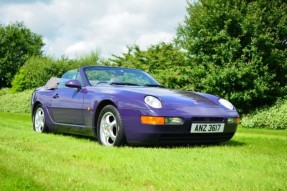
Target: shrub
(4,91)
(16,102)
(38,70)
(272,117)
(31,75)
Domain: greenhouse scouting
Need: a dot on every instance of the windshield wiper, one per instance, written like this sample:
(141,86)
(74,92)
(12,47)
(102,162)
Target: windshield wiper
(123,83)
(154,85)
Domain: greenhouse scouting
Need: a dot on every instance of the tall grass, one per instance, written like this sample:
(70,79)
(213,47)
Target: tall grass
(255,159)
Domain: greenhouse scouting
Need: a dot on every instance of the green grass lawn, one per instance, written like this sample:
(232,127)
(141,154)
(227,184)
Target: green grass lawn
(255,159)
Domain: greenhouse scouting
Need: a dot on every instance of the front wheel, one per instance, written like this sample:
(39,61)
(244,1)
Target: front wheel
(110,129)
(39,121)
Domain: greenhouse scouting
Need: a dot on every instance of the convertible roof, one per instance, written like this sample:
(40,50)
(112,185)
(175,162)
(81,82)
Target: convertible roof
(52,83)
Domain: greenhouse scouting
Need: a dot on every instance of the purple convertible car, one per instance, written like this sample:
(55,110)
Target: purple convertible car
(127,106)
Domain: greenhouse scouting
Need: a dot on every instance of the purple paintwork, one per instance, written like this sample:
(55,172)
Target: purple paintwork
(75,106)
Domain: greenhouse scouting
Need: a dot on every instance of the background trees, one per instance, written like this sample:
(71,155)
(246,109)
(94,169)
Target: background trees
(17,44)
(166,62)
(237,49)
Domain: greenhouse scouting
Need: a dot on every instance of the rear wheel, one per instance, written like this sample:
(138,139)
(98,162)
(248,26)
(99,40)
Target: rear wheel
(110,129)
(39,120)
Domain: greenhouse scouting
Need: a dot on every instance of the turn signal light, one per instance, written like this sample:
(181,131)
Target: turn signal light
(152,120)
(237,120)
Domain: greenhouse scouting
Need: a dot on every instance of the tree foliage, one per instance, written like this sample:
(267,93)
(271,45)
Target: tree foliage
(17,45)
(164,61)
(237,49)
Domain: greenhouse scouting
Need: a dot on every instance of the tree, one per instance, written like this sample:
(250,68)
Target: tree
(17,45)
(164,61)
(237,49)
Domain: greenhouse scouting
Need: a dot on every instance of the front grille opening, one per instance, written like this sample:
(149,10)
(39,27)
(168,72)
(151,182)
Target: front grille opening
(208,119)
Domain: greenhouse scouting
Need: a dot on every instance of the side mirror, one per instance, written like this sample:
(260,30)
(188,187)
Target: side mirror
(73,84)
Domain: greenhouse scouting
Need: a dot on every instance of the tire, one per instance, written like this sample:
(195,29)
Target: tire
(110,129)
(39,120)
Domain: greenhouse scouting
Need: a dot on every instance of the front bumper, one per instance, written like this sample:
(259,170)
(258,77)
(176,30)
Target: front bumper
(138,133)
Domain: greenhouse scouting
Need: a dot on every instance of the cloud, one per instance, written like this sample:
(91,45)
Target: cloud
(73,27)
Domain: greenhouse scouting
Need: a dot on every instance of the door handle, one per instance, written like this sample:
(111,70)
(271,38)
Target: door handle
(56,96)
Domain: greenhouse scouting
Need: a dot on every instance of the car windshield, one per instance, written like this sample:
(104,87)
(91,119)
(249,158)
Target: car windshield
(118,76)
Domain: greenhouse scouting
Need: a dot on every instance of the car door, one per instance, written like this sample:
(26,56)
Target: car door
(67,103)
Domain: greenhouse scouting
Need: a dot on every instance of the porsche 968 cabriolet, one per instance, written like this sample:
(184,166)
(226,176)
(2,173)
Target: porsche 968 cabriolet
(128,106)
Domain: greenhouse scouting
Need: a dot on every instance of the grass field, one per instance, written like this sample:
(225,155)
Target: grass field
(255,159)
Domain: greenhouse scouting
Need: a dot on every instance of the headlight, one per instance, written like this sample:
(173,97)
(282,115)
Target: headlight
(153,102)
(226,104)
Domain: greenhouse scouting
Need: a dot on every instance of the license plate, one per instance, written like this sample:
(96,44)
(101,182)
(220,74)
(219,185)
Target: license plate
(207,127)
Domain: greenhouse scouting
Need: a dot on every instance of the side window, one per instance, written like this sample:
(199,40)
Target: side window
(70,75)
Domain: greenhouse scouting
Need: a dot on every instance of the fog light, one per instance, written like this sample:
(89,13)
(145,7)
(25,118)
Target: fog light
(173,120)
(155,120)
(233,120)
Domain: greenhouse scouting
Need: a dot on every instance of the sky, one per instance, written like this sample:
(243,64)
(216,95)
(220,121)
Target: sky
(76,27)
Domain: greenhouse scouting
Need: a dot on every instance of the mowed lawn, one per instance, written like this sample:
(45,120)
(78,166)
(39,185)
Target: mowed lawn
(255,159)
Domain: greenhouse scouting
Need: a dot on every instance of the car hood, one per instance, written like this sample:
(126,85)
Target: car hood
(177,97)
(168,97)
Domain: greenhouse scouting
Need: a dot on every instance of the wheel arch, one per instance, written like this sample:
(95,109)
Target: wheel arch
(100,106)
(34,107)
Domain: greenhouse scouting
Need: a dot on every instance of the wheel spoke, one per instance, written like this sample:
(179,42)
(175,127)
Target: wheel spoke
(108,122)
(113,137)
(42,125)
(107,140)
(113,124)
